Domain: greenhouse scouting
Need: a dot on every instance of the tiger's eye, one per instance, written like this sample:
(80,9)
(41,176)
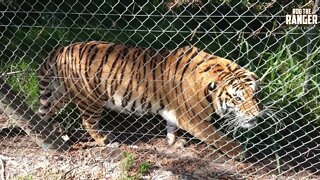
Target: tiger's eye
(212,86)
(238,98)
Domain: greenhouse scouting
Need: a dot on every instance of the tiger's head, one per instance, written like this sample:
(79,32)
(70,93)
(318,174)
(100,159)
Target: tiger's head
(234,97)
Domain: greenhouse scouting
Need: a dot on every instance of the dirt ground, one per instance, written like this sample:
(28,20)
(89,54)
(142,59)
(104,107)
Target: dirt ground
(20,158)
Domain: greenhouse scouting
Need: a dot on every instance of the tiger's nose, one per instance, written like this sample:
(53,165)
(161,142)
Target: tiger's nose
(255,111)
(252,109)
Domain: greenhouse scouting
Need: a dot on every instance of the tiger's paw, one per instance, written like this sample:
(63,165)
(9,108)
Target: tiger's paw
(113,145)
(180,143)
(236,152)
(171,138)
(107,140)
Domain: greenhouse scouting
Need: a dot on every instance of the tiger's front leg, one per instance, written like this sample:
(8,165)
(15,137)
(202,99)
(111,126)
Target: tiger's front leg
(171,127)
(204,131)
(172,134)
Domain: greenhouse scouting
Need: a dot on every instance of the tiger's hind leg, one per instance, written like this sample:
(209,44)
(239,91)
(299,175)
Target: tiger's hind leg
(91,115)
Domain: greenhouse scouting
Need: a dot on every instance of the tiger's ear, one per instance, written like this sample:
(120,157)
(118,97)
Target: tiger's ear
(253,76)
(255,79)
(212,86)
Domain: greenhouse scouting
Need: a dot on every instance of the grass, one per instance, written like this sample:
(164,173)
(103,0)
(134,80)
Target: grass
(130,170)
(283,71)
(23,79)
(27,177)
(127,162)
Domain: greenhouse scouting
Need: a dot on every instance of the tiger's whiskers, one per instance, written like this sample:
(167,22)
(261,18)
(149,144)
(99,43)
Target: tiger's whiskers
(276,114)
(232,123)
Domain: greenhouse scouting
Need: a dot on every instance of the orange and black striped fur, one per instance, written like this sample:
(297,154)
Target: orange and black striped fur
(185,87)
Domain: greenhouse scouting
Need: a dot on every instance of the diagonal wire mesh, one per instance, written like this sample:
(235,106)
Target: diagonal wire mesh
(159,35)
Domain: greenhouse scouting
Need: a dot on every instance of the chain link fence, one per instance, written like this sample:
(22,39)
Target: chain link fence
(255,35)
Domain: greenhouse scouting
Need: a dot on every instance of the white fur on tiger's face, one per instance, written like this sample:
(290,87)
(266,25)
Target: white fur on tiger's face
(185,87)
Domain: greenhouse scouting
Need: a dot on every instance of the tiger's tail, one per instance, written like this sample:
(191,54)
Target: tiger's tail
(49,85)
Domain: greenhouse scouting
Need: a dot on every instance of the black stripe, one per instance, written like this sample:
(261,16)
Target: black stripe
(161,104)
(124,67)
(178,62)
(143,99)
(44,83)
(153,52)
(208,95)
(45,95)
(224,75)
(184,71)
(229,68)
(206,69)
(220,93)
(154,66)
(70,62)
(83,50)
(180,56)
(74,63)
(124,52)
(66,63)
(138,73)
(163,82)
(95,50)
(126,96)
(144,95)
(109,50)
(113,65)
(228,95)
(133,107)
(88,111)
(98,78)
(41,114)
(145,62)
(46,106)
(187,64)
(83,79)
(149,106)
(114,84)
(175,51)
(105,60)
(205,59)
(189,50)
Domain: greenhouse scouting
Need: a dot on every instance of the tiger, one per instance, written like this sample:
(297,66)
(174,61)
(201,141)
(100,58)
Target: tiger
(185,86)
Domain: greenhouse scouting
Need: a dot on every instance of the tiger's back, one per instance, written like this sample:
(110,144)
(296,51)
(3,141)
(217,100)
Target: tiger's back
(98,75)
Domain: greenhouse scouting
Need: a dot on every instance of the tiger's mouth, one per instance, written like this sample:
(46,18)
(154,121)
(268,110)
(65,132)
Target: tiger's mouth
(240,121)
(247,124)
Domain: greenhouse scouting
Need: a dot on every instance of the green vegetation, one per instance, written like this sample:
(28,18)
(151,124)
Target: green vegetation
(129,168)
(127,162)
(23,79)
(27,177)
